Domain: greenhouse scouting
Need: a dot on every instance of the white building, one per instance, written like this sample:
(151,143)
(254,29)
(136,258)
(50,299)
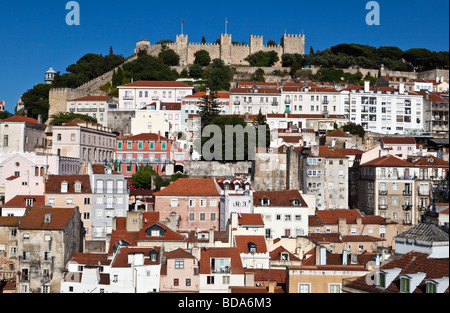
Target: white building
(131,270)
(139,94)
(384,110)
(93,106)
(285,213)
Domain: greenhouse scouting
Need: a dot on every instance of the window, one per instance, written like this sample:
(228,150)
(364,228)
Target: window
(64,187)
(404,284)
(152,145)
(298,217)
(179,264)
(86,215)
(212,202)
(188,282)
(431,287)
(191,217)
(119,145)
(210,280)
(69,201)
(381,280)
(304,288)
(140,145)
(191,203)
(335,288)
(5,140)
(164,145)
(226,280)
(287,218)
(176,282)
(203,202)
(202,216)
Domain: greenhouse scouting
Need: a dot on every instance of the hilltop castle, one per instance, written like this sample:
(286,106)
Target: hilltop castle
(229,53)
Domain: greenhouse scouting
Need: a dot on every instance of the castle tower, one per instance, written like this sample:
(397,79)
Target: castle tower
(181,49)
(256,43)
(50,75)
(293,44)
(143,44)
(225,48)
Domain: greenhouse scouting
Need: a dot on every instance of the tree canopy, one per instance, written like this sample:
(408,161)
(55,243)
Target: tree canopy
(202,58)
(61,118)
(263,58)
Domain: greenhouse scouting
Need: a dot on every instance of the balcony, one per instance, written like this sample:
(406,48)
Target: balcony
(153,98)
(287,101)
(128,97)
(383,207)
(325,102)
(221,270)
(406,192)
(237,102)
(407,222)
(406,207)
(274,103)
(383,192)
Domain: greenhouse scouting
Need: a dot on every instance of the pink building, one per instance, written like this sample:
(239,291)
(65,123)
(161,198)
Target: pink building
(180,273)
(193,201)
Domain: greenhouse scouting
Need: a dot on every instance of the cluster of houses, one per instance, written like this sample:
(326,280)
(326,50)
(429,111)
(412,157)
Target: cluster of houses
(320,210)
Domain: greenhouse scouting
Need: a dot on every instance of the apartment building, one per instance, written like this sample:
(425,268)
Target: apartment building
(69,191)
(136,95)
(22,134)
(191,105)
(285,213)
(86,141)
(149,149)
(384,110)
(436,113)
(325,174)
(109,199)
(93,106)
(46,238)
(193,201)
(252,100)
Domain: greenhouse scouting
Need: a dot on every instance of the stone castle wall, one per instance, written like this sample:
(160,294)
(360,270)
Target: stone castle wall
(229,53)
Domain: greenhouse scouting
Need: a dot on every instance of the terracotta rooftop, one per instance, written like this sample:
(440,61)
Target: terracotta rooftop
(388,161)
(157,84)
(21,201)
(275,255)
(220,95)
(410,263)
(279,198)
(398,141)
(338,133)
(121,259)
(232,253)
(35,218)
(190,187)
(90,258)
(250,219)
(430,161)
(333,216)
(21,119)
(53,184)
(243,243)
(91,98)
(145,137)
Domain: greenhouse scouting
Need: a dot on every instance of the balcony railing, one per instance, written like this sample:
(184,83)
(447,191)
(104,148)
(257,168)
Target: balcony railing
(325,102)
(407,222)
(383,206)
(224,269)
(287,101)
(406,192)
(406,207)
(274,102)
(128,97)
(383,192)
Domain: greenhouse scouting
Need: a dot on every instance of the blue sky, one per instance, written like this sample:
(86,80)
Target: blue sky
(35,36)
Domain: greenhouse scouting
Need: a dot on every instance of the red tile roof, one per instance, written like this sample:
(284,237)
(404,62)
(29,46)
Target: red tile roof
(360,238)
(121,259)
(338,133)
(53,184)
(329,152)
(259,91)
(10,221)
(242,243)
(430,161)
(410,263)
(388,161)
(275,255)
(20,201)
(34,218)
(398,141)
(178,254)
(91,98)
(90,258)
(220,95)
(349,151)
(157,84)
(145,137)
(190,187)
(233,253)
(20,119)
(250,219)
(279,198)
(169,234)
(333,216)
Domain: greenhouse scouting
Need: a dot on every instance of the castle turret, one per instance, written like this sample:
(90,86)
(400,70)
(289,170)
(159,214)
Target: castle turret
(50,75)
(293,43)
(256,43)
(225,48)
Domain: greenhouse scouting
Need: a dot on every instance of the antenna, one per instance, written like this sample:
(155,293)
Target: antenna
(182,24)
(226,24)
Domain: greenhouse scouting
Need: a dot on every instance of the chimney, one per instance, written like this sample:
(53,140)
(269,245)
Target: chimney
(39,119)
(401,88)
(366,86)
(272,285)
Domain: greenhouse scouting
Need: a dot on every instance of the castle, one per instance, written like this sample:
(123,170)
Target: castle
(226,50)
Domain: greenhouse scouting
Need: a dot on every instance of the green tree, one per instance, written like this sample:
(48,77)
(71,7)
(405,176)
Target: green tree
(263,58)
(195,71)
(36,101)
(147,67)
(354,129)
(62,118)
(169,57)
(203,40)
(202,58)
(209,108)
(144,177)
(259,75)
(261,121)
(218,76)
(271,43)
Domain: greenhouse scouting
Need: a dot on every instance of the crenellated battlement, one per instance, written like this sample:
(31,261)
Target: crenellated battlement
(226,50)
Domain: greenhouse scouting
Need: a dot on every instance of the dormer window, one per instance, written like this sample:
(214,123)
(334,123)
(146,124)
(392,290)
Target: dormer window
(77,186)
(404,284)
(47,218)
(296,202)
(381,280)
(155,231)
(64,187)
(431,287)
(251,247)
(284,256)
(29,202)
(265,201)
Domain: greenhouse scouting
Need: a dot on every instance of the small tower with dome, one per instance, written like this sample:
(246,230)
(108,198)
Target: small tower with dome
(50,75)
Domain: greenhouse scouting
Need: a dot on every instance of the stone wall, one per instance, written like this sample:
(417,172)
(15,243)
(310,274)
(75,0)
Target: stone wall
(216,169)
